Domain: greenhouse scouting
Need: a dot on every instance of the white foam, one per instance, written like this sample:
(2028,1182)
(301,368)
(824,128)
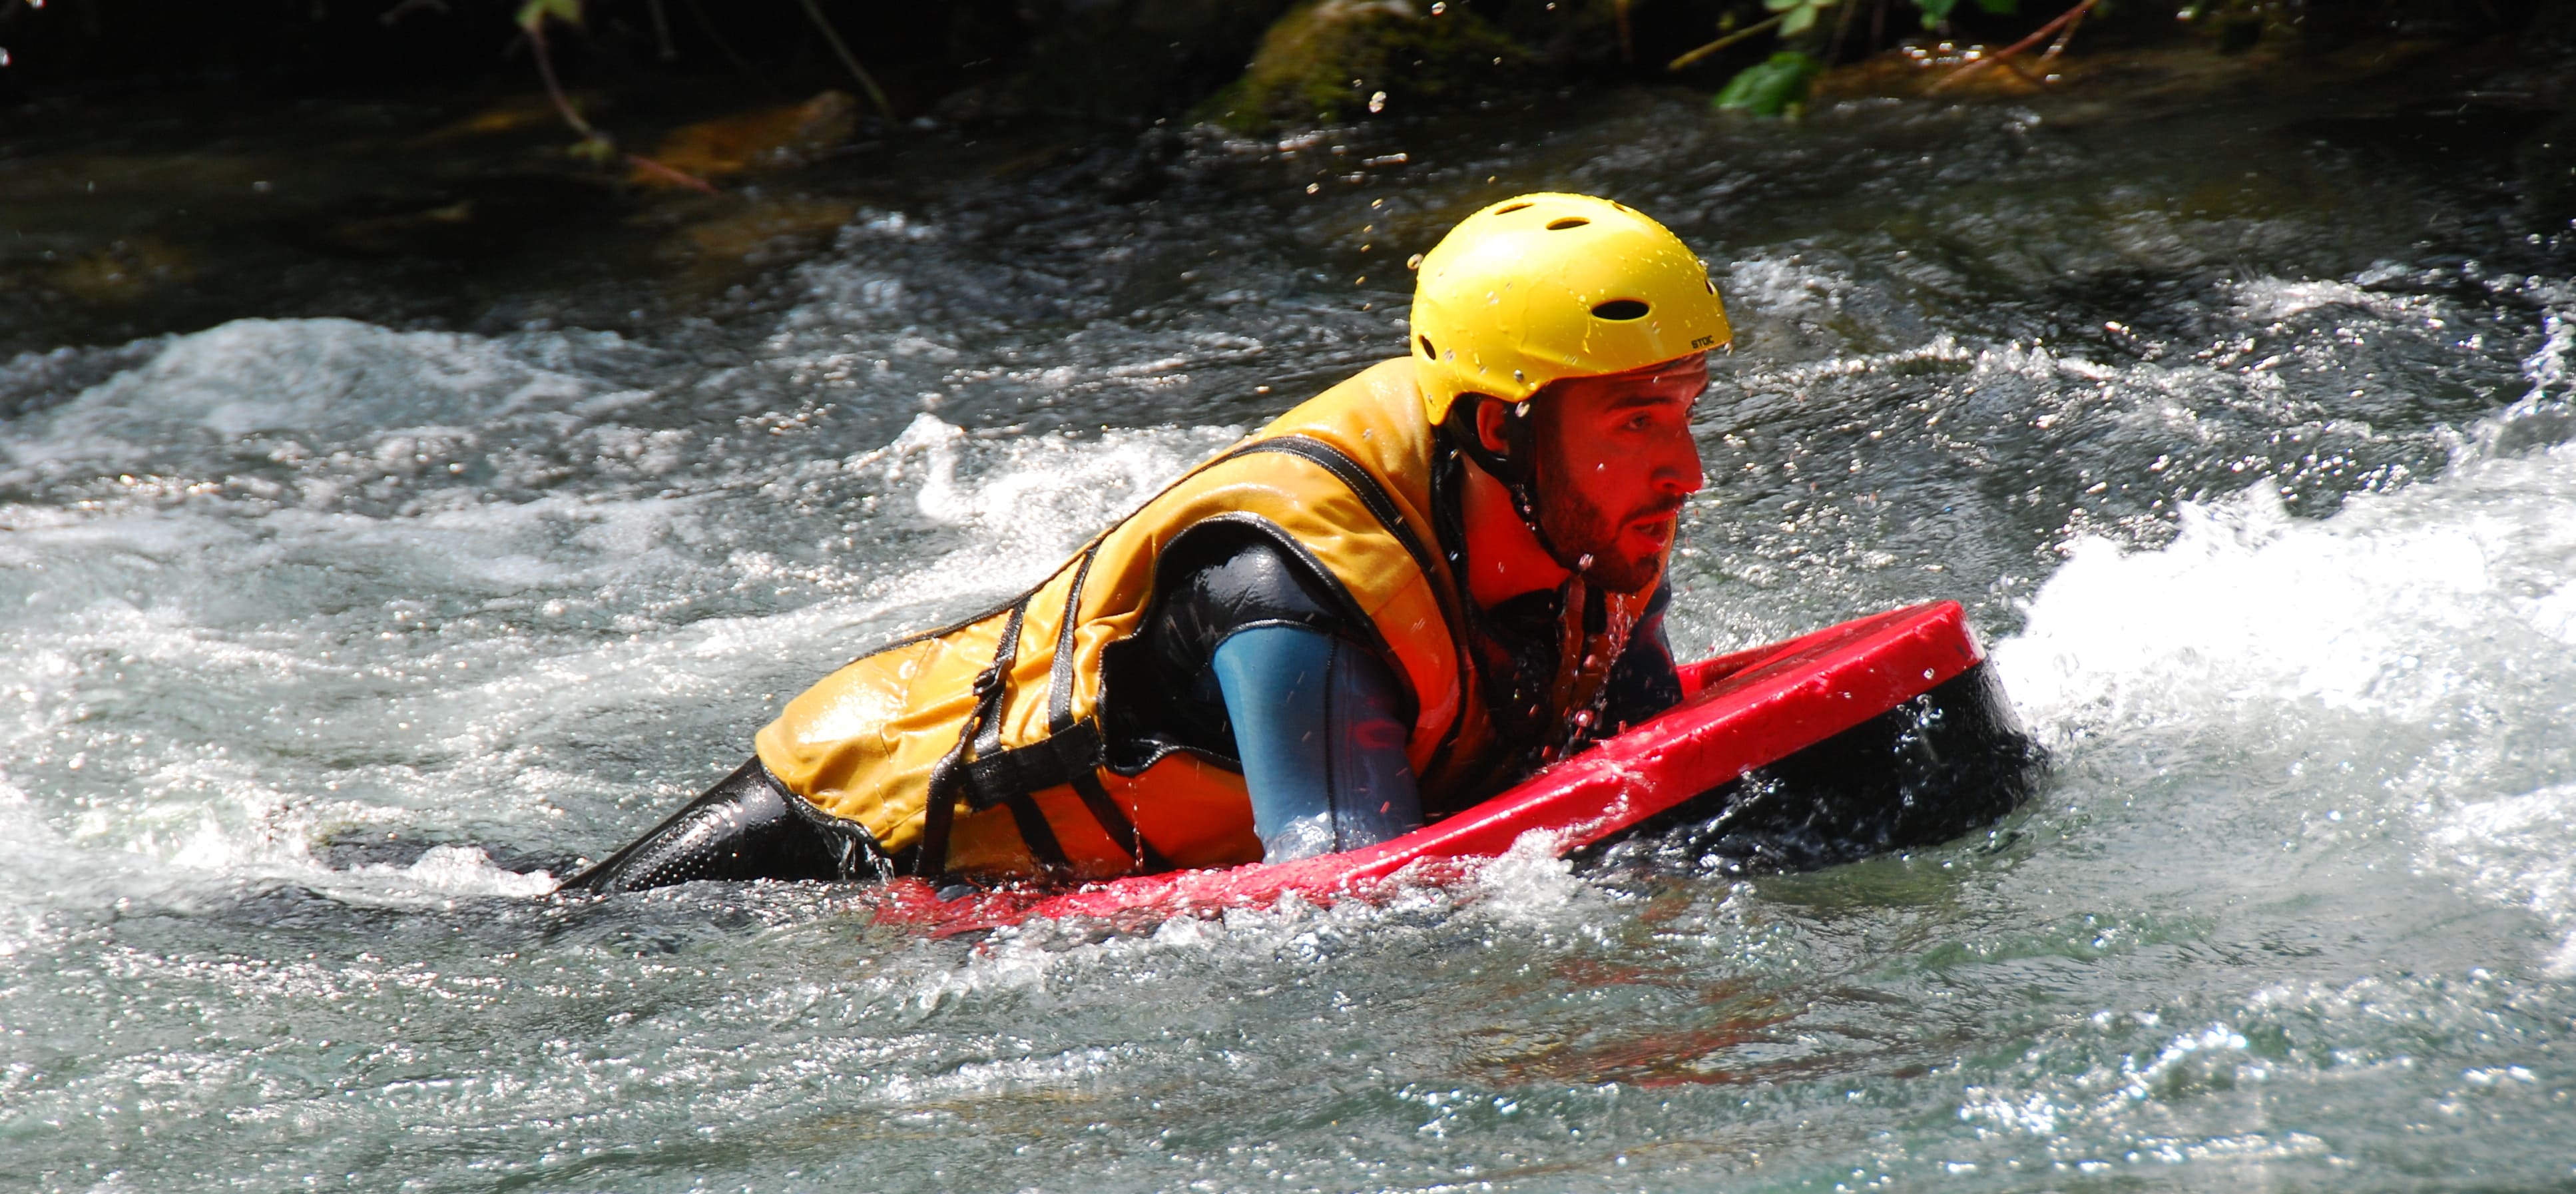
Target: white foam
(1783,284)
(1024,503)
(2519,850)
(2407,645)
(2271,300)
(2355,612)
(332,376)
(461,870)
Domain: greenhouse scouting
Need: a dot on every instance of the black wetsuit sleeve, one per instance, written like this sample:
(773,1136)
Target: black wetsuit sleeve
(1644,682)
(1217,582)
(748,826)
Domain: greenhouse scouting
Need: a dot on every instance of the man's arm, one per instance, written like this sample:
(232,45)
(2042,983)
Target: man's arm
(1318,726)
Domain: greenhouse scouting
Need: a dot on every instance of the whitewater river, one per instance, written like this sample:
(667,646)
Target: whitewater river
(2237,425)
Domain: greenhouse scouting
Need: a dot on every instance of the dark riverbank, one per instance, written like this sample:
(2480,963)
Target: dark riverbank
(175,192)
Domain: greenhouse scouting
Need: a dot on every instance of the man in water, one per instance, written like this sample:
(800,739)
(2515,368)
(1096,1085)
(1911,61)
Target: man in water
(1394,601)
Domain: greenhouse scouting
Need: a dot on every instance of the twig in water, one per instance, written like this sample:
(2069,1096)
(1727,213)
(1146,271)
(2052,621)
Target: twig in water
(1723,42)
(1627,33)
(662,30)
(554,89)
(591,138)
(2064,19)
(2058,47)
(673,174)
(814,12)
(1842,25)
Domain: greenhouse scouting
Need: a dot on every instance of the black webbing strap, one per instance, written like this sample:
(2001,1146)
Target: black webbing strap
(1357,479)
(1080,748)
(940,811)
(1039,835)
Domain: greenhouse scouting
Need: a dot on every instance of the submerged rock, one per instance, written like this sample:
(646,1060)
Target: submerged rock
(127,268)
(465,218)
(726,247)
(768,139)
(1332,61)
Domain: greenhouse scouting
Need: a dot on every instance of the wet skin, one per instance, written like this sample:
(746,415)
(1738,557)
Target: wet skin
(1615,463)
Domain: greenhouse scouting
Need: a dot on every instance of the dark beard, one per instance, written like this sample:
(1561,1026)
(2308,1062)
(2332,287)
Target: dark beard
(1576,527)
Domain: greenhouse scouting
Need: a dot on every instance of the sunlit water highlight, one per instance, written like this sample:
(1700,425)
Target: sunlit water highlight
(327,640)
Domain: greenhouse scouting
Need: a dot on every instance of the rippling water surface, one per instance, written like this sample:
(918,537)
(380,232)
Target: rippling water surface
(2239,426)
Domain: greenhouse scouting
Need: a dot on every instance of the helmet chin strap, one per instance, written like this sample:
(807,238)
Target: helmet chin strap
(1516,467)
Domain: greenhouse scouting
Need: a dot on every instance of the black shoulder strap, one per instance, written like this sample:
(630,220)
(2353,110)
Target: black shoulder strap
(1081,751)
(991,685)
(1361,484)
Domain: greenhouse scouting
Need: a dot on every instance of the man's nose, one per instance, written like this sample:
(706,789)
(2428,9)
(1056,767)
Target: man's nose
(1677,467)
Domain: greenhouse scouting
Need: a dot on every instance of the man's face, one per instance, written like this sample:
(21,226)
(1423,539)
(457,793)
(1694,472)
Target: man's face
(1615,461)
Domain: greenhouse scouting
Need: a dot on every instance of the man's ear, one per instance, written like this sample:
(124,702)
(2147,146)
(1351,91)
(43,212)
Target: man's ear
(1490,414)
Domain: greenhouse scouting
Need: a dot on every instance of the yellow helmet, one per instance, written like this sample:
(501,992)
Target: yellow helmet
(1545,286)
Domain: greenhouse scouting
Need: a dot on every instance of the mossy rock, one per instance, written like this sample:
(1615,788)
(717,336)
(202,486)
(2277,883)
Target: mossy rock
(1334,61)
(1121,59)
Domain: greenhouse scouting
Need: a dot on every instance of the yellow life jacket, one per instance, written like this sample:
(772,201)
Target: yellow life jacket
(1003,713)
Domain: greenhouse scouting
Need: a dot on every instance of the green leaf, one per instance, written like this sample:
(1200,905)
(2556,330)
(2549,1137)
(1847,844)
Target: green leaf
(1799,18)
(1767,88)
(1935,11)
(534,12)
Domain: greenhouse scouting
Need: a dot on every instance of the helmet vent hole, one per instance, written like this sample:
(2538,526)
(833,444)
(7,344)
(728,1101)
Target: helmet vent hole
(1567,222)
(1427,353)
(1504,211)
(1620,309)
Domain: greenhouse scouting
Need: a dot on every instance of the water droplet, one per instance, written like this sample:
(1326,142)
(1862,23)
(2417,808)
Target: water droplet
(1413,262)
(1377,102)
(1521,408)
(1583,561)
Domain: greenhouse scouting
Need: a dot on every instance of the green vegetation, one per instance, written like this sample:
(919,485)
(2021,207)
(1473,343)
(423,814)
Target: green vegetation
(1769,87)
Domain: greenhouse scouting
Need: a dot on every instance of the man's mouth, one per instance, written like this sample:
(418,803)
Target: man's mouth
(1656,521)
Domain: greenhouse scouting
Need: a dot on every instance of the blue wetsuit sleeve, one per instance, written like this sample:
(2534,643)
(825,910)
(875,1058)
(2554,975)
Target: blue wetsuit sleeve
(1318,729)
